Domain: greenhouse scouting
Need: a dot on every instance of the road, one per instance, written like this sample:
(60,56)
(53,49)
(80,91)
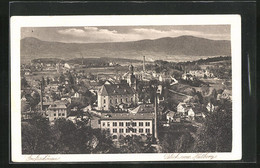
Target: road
(182,94)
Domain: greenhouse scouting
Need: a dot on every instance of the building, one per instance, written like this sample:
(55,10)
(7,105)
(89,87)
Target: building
(164,78)
(187,76)
(191,114)
(127,123)
(172,117)
(143,75)
(182,109)
(131,80)
(210,107)
(227,94)
(57,110)
(116,94)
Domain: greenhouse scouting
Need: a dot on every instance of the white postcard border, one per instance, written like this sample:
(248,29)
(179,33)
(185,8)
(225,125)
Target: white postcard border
(16,22)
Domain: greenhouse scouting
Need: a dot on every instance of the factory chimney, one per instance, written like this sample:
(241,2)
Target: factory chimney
(155,118)
(144,63)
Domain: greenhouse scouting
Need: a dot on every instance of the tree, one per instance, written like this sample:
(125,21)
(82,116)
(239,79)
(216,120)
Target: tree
(88,98)
(33,99)
(104,142)
(135,144)
(71,79)
(214,94)
(54,96)
(216,133)
(43,82)
(64,136)
(61,78)
(48,80)
(178,141)
(36,136)
(24,83)
(111,109)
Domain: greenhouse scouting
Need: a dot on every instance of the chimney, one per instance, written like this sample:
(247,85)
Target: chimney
(155,118)
(144,63)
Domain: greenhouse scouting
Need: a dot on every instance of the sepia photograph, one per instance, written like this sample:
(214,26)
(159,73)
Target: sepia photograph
(126,88)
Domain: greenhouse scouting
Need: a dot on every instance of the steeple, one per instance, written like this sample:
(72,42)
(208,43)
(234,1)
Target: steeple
(131,80)
(131,69)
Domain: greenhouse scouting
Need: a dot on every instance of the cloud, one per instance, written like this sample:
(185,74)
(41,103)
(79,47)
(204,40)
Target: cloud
(95,34)
(74,32)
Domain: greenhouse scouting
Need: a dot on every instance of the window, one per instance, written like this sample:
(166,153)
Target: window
(126,100)
(116,100)
(121,130)
(59,114)
(108,124)
(141,124)
(104,124)
(131,99)
(121,100)
(114,136)
(147,124)
(114,124)
(127,130)
(110,100)
(114,130)
(121,124)
(134,130)
(141,130)
(134,124)
(63,114)
(104,100)
(127,124)
(54,114)
(147,131)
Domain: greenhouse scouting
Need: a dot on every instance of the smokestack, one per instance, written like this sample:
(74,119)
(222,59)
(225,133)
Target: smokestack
(155,118)
(144,63)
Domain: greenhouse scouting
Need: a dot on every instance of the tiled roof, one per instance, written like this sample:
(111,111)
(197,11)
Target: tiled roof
(127,116)
(144,108)
(57,106)
(116,89)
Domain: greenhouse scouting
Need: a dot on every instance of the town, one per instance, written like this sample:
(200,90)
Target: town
(159,105)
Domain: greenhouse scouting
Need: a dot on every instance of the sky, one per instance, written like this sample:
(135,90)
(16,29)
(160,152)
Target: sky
(123,33)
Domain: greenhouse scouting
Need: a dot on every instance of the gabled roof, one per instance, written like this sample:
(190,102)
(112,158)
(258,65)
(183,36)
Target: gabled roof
(226,91)
(144,108)
(171,113)
(116,89)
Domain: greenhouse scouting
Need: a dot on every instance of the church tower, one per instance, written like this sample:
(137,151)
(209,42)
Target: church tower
(131,80)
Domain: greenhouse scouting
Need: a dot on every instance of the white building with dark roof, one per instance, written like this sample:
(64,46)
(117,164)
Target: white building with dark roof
(116,94)
(127,123)
(56,110)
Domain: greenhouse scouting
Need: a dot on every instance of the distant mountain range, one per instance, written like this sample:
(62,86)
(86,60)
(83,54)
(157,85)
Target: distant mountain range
(163,48)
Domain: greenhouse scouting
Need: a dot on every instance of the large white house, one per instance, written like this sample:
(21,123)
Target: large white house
(115,95)
(127,123)
(56,110)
